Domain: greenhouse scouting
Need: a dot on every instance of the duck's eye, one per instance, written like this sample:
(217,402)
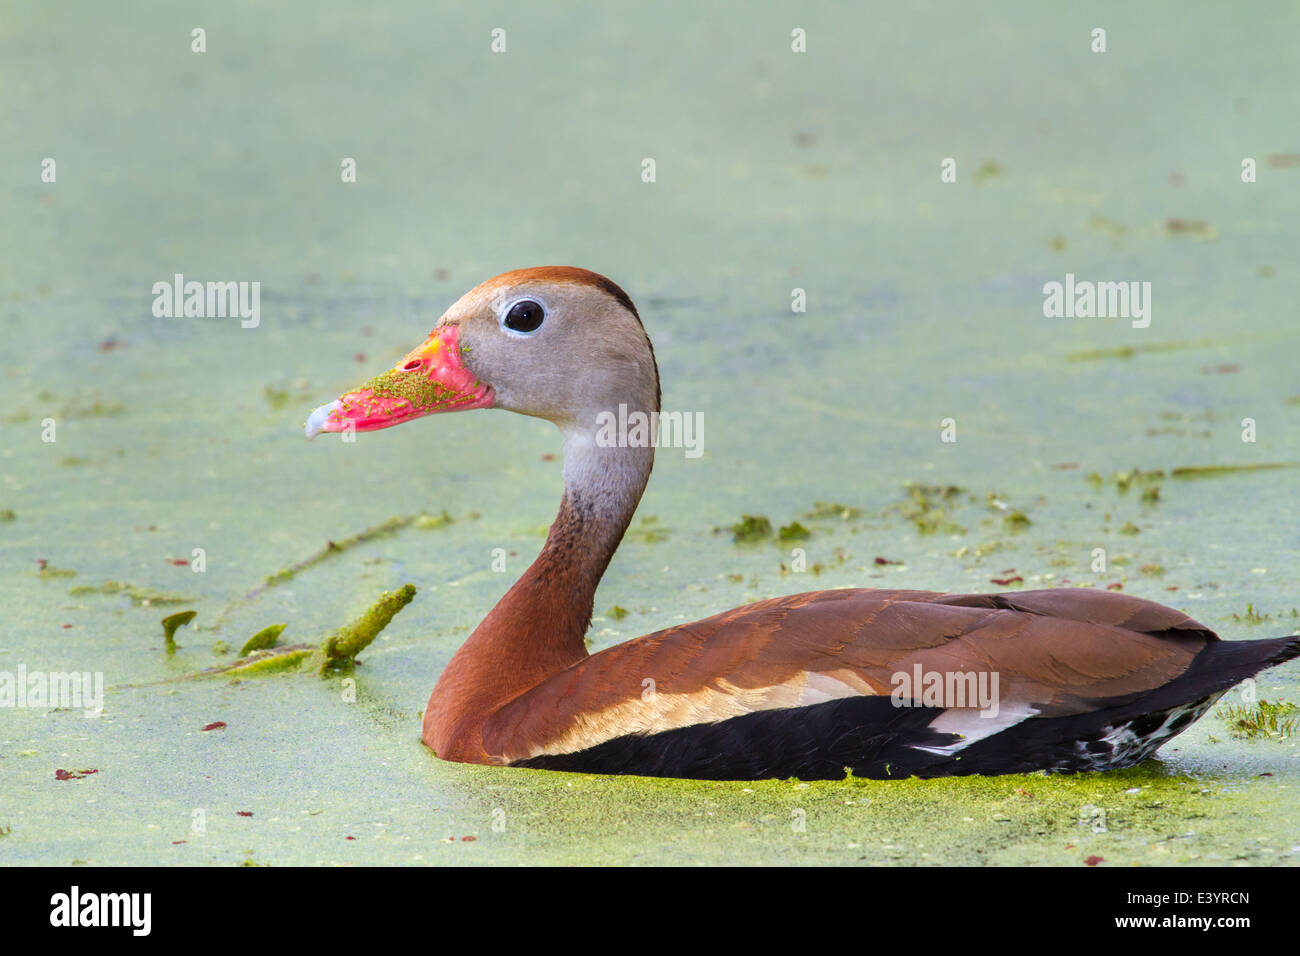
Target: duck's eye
(525,316)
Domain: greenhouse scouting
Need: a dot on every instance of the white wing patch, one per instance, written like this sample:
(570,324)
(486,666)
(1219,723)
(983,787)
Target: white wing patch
(970,723)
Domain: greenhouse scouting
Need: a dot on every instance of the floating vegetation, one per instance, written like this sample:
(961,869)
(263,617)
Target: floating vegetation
(172,623)
(1128,351)
(76,408)
(826,509)
(1087,355)
(989,169)
(263,639)
(1214,471)
(94,408)
(1152,569)
(1017,521)
(1192,227)
(616,613)
(264,662)
(1151,495)
(648,531)
(1117,230)
(221,648)
(1124,480)
(342,647)
(278,398)
(332,548)
(1251,616)
(927,507)
(751,528)
(7,514)
(978,552)
(1128,527)
(428,522)
(794,531)
(142,597)
(338,651)
(1276,720)
(46,570)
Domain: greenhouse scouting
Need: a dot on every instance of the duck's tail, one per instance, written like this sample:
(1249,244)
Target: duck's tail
(1225,663)
(1130,729)
(1220,666)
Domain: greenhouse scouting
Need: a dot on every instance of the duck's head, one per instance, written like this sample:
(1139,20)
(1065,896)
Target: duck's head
(553,342)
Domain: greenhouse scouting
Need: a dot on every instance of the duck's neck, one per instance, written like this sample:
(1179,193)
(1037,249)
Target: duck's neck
(538,628)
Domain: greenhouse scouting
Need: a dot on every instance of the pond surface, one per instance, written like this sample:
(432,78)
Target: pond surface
(774,172)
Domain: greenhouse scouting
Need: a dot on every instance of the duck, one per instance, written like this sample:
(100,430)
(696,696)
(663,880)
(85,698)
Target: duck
(877,683)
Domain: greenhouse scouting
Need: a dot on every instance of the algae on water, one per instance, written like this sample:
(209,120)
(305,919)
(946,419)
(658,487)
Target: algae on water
(1272,719)
(172,623)
(342,647)
(397,523)
(338,651)
(263,639)
(751,528)
(794,531)
(143,597)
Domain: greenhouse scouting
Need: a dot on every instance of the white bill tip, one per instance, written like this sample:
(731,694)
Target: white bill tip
(317,419)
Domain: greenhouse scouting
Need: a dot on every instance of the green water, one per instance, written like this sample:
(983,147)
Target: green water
(774,171)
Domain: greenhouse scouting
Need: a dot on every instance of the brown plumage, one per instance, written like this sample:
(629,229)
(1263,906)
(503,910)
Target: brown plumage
(1062,650)
(883,682)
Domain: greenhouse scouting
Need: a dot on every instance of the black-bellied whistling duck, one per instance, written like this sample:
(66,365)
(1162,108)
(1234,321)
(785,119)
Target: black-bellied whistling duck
(885,683)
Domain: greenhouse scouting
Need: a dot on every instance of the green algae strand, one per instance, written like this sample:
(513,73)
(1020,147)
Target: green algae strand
(171,623)
(342,647)
(267,662)
(263,639)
